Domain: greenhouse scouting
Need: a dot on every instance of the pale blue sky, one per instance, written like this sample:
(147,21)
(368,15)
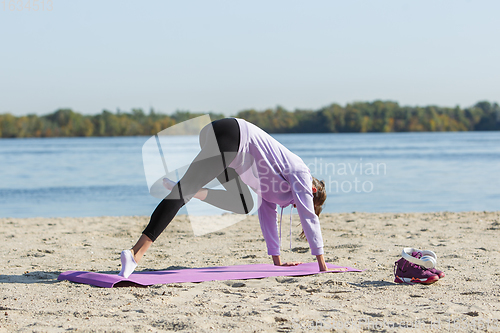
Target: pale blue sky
(225,56)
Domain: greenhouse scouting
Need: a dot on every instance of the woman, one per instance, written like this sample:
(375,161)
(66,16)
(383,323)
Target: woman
(235,151)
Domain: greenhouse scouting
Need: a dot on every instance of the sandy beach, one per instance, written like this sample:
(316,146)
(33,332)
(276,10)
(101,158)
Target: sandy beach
(34,252)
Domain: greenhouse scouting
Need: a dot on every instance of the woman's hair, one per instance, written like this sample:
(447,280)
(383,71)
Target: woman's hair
(319,199)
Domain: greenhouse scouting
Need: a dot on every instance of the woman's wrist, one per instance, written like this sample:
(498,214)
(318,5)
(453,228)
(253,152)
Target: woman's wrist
(321,263)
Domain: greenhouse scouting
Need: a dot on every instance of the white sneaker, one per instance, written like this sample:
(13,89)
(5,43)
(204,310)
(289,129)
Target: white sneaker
(128,263)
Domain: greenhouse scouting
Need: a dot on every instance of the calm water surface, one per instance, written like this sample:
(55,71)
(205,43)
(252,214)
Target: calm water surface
(393,172)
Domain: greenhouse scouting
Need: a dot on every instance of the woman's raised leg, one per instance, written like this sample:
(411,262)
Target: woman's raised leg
(219,149)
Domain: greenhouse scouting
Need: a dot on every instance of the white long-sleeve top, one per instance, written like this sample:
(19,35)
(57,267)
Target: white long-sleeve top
(279,177)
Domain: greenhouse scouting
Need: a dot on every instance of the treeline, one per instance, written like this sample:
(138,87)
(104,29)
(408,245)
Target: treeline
(378,116)
(67,123)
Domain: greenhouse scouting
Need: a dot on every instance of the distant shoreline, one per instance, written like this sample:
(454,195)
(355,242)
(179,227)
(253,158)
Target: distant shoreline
(148,136)
(360,117)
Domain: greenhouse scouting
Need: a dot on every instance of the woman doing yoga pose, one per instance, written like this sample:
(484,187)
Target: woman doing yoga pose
(241,155)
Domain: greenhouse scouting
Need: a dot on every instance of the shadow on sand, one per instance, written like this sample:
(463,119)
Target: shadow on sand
(368,284)
(50,277)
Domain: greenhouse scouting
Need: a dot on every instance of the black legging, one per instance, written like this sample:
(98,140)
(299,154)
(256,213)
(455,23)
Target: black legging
(218,149)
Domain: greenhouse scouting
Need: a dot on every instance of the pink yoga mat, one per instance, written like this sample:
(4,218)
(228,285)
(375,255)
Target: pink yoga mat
(239,272)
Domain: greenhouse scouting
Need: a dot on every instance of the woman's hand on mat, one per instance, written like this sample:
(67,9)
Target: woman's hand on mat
(277,262)
(291,263)
(340,269)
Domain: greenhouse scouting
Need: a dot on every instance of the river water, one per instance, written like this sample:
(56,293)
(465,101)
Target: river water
(364,172)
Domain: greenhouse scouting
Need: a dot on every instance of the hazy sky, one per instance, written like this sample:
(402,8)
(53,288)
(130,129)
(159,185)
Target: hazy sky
(225,56)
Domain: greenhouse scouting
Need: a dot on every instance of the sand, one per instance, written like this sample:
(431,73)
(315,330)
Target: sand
(34,251)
